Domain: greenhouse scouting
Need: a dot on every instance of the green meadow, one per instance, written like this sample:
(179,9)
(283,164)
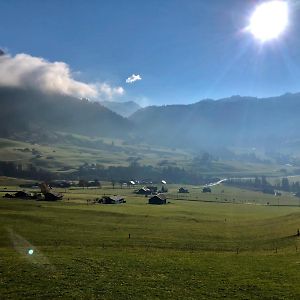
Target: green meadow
(72,151)
(228,244)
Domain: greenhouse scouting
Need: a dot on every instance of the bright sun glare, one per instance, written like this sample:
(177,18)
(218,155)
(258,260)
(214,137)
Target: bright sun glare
(269,20)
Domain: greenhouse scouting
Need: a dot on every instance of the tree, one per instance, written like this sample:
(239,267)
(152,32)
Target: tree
(257,182)
(264,181)
(97,183)
(285,185)
(206,158)
(82,183)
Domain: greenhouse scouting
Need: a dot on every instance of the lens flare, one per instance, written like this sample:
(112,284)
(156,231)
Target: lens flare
(269,20)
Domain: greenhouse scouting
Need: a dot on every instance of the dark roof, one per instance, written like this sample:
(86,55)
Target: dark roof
(22,194)
(160,196)
(51,196)
(114,198)
(182,189)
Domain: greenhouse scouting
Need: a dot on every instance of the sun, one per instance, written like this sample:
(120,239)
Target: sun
(269,20)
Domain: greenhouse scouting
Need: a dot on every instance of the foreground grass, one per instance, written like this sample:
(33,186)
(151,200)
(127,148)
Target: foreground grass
(184,250)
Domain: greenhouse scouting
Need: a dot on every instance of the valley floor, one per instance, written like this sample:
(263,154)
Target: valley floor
(200,249)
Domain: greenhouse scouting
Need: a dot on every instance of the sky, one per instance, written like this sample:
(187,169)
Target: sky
(152,52)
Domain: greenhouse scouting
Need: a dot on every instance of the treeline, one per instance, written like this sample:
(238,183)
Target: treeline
(171,174)
(262,184)
(11,169)
(134,171)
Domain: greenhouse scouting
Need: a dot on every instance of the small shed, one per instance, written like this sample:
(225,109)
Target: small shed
(51,196)
(183,190)
(112,200)
(7,195)
(206,189)
(152,188)
(143,191)
(158,199)
(24,195)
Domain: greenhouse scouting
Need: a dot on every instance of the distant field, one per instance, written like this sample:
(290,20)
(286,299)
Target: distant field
(196,248)
(77,150)
(106,152)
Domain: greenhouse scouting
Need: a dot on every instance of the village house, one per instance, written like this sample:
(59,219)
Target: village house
(112,200)
(143,191)
(158,199)
(183,190)
(206,190)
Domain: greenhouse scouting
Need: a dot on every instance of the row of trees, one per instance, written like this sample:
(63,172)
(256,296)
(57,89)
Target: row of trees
(262,184)
(148,173)
(11,169)
(88,173)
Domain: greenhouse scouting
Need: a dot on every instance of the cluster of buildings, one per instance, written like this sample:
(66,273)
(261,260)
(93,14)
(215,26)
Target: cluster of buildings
(46,194)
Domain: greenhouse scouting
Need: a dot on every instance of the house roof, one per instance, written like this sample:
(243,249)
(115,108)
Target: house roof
(160,196)
(114,198)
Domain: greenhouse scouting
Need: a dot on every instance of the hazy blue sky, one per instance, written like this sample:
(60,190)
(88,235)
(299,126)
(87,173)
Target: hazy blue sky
(184,50)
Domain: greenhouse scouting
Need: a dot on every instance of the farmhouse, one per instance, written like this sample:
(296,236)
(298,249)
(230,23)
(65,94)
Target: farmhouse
(48,194)
(143,191)
(112,200)
(152,188)
(51,196)
(206,190)
(21,195)
(183,190)
(7,195)
(158,199)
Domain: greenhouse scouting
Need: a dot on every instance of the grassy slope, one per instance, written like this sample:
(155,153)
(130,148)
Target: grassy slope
(73,156)
(59,157)
(184,250)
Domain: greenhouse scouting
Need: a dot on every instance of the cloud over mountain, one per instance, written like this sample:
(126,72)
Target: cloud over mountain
(26,71)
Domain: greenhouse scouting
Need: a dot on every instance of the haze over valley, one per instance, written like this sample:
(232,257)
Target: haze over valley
(149,149)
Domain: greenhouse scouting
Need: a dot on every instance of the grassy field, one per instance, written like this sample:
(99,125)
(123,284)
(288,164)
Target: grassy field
(58,156)
(66,156)
(199,247)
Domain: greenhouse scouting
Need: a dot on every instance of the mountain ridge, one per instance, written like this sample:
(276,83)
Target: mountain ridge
(29,110)
(224,122)
(124,109)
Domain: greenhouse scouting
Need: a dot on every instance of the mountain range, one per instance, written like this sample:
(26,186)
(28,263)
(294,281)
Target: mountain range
(235,121)
(23,110)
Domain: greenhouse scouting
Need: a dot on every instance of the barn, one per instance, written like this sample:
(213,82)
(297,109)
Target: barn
(51,196)
(48,194)
(206,190)
(112,200)
(183,190)
(158,199)
(143,191)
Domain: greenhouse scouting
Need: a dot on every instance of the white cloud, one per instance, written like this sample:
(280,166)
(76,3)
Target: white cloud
(133,78)
(108,91)
(26,71)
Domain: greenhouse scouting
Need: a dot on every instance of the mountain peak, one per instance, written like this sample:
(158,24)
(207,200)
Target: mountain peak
(125,109)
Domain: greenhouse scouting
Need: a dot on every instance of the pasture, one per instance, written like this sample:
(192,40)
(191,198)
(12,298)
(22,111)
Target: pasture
(228,244)
(72,151)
